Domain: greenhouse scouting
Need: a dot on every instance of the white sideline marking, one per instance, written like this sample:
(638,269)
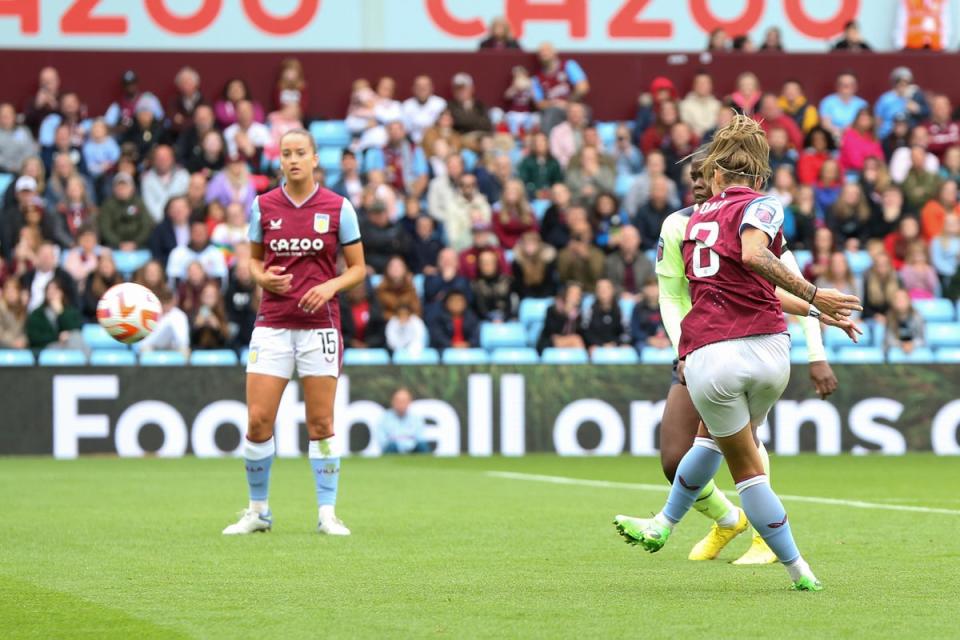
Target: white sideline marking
(636,486)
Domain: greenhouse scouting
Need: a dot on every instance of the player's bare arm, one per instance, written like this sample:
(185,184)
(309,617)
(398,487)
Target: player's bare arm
(796,307)
(272,279)
(354,274)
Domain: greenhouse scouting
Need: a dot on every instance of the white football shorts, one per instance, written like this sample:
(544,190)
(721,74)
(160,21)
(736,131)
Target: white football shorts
(736,382)
(314,352)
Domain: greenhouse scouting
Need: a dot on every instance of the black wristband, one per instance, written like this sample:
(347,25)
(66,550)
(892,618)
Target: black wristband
(814,296)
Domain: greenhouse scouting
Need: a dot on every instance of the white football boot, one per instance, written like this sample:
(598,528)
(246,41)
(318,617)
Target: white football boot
(250,522)
(330,524)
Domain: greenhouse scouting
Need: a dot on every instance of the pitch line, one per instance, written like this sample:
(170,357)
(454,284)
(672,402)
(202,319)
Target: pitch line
(636,486)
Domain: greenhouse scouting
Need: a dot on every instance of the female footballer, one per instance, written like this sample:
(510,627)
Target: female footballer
(295,232)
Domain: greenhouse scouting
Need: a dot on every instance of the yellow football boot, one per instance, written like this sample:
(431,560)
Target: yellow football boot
(758,553)
(719,537)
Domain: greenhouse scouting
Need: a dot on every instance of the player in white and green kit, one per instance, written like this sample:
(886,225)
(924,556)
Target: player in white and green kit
(680,417)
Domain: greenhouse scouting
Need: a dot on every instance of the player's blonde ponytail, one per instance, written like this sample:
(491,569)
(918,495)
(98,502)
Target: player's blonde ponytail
(740,153)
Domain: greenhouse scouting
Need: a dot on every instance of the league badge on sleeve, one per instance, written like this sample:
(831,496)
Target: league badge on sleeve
(765,213)
(321,222)
(660,250)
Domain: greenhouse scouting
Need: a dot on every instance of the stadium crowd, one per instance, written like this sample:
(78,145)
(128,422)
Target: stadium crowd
(466,209)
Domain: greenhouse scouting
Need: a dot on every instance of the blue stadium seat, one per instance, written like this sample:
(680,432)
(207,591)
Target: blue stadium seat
(129,261)
(422,356)
(943,334)
(418,284)
(534,329)
(859,355)
(5,180)
(803,257)
(935,310)
(649,355)
(62,358)
(163,359)
(587,301)
(836,338)
(330,158)
(626,309)
(878,333)
(920,355)
(797,337)
(16,358)
(96,337)
(214,358)
(534,309)
(112,358)
(352,357)
(948,355)
(540,206)
(469,160)
(622,186)
(330,133)
(244,356)
(614,355)
(523,355)
(375,280)
(558,355)
(799,355)
(859,261)
(503,334)
(465,356)
(607,132)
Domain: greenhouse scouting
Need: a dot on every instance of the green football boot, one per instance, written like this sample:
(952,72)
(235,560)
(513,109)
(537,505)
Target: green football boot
(645,532)
(807,584)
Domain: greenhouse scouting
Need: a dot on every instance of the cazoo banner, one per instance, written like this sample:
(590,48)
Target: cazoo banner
(479,411)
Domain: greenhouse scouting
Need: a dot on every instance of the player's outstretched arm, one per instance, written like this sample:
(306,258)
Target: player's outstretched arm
(674,305)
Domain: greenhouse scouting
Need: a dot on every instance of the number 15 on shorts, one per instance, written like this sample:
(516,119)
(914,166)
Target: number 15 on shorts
(329,341)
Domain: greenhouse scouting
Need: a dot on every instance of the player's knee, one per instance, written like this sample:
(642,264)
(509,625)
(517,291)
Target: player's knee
(259,425)
(320,427)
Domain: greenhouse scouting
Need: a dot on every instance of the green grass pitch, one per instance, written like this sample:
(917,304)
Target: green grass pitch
(110,548)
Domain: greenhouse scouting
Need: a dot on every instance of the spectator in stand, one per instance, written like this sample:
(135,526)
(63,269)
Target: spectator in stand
(184,104)
(151,276)
(197,194)
(657,133)
(233,184)
(747,94)
(234,92)
(772,40)
(520,104)
(162,181)
(191,141)
(400,430)
(124,221)
(16,141)
(905,98)
(829,182)
(880,285)
(188,291)
(382,239)
(562,326)
(403,163)
(361,318)
(782,155)
(104,276)
(743,44)
(945,249)
(208,326)
(422,109)
(172,332)
(771,116)
(63,171)
(147,130)
(247,137)
(649,218)
(935,211)
(921,183)
(794,103)
(200,250)
(554,225)
(627,158)
(350,184)
(14,214)
(566,138)
(838,110)
(539,170)
(589,177)
(922,25)
(119,116)
(361,117)
(442,131)
(499,36)
(44,270)
(45,101)
(905,327)
(63,145)
(493,177)
(492,289)
(32,169)
(603,323)
(898,137)
(700,108)
(172,232)
(241,300)
(627,268)
(897,242)
(557,84)
(483,239)
(852,40)
(661,90)
(944,131)
(839,276)
(534,272)
(56,322)
(74,210)
(425,245)
(718,40)
(468,208)
(291,85)
(470,117)
(72,116)
(512,215)
(580,260)
(874,179)
(804,219)
(646,322)
(82,259)
(821,250)
(607,221)
(406,331)
(445,278)
(950,167)
(639,193)
(859,143)
(13,315)
(849,216)
(231,233)
(101,152)
(782,185)
(904,158)
(455,325)
(444,188)
(397,289)
(919,277)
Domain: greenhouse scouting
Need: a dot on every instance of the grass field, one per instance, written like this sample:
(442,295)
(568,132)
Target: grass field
(109,548)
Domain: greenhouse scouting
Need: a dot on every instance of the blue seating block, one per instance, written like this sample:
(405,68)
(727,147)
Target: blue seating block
(615,355)
(96,337)
(353,357)
(423,356)
(559,355)
(859,355)
(649,355)
(16,358)
(62,358)
(936,310)
(920,355)
(859,261)
(332,133)
(943,334)
(129,261)
(112,358)
(330,158)
(163,359)
(540,206)
(502,334)
(507,355)
(465,356)
(214,358)
(948,355)
(534,310)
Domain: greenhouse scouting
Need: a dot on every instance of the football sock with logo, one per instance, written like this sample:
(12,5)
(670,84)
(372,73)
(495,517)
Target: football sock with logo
(257,459)
(714,504)
(695,470)
(325,462)
(768,517)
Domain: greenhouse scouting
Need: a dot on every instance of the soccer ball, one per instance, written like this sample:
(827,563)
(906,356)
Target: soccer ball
(128,312)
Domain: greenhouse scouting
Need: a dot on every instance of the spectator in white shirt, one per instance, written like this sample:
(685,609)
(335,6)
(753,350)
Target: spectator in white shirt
(246,137)
(199,250)
(406,331)
(421,111)
(162,181)
(172,332)
(901,160)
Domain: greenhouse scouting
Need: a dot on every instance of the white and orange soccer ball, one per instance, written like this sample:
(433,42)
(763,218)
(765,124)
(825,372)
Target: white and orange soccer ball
(129,312)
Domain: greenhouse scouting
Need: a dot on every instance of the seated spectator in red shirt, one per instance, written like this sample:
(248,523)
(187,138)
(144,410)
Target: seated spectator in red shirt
(483,239)
(653,138)
(512,215)
(944,131)
(899,241)
(455,326)
(771,115)
(76,207)
(361,319)
(859,142)
(817,148)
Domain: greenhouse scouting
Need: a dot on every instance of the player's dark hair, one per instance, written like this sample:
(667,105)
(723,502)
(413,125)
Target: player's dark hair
(739,151)
(300,132)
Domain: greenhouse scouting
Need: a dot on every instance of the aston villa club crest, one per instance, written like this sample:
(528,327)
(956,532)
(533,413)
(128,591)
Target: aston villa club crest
(321,222)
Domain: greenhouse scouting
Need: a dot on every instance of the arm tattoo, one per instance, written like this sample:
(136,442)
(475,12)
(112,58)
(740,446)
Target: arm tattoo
(773,270)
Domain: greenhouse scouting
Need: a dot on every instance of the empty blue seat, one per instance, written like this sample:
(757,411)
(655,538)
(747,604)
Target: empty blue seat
(502,334)
(469,160)
(587,301)
(375,280)
(421,356)
(560,355)
(920,355)
(626,309)
(803,257)
(614,355)
(418,284)
(607,132)
(948,355)
(540,206)
(649,355)
(534,329)
(244,356)
(353,357)
(836,338)
(214,358)
(859,261)
(96,337)
(332,177)
(465,356)
(878,334)
(62,358)
(332,133)
(622,186)
(5,180)
(797,337)
(129,261)
(16,358)
(534,309)
(163,359)
(523,355)
(800,355)
(943,334)
(112,358)
(936,310)
(859,355)
(330,157)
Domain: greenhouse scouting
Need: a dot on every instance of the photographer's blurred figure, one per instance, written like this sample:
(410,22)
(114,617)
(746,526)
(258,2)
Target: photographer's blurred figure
(400,430)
